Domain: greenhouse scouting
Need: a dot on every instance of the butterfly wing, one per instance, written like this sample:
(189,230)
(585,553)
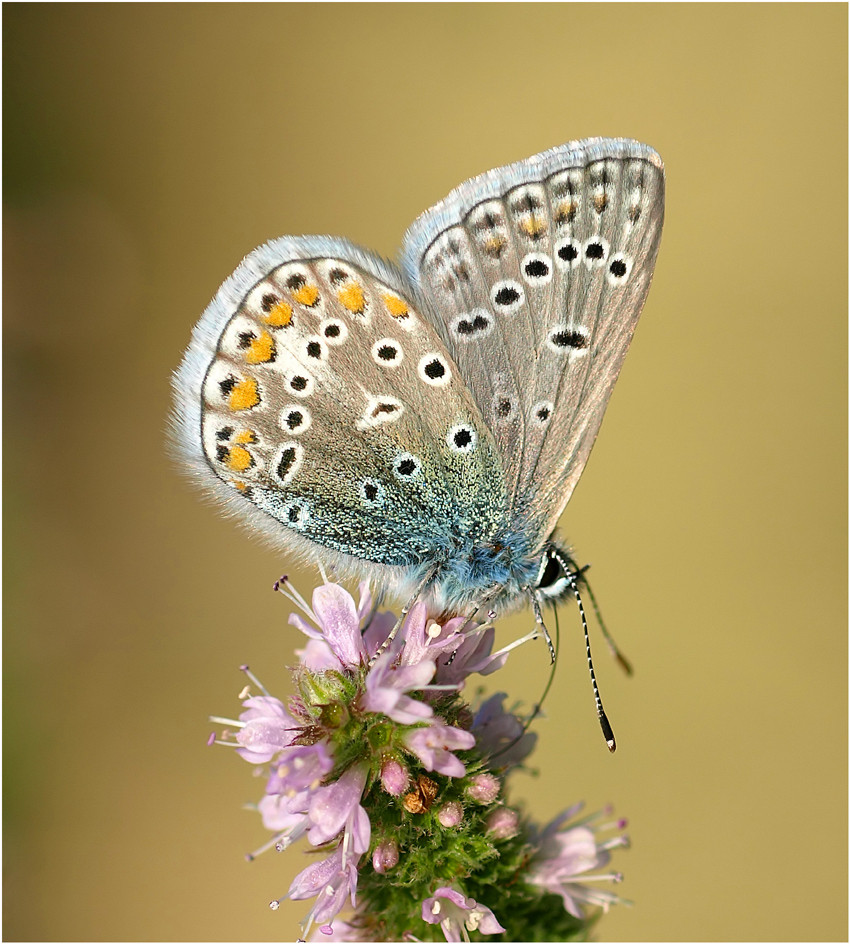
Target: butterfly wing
(538,273)
(316,401)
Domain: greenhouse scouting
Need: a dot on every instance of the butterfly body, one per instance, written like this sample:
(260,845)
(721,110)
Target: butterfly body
(428,424)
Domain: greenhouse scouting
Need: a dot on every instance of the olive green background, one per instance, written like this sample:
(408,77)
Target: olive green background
(147,148)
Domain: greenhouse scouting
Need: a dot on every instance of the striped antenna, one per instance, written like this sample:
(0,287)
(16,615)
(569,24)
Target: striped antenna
(570,576)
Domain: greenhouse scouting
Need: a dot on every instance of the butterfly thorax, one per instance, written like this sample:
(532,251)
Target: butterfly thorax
(498,570)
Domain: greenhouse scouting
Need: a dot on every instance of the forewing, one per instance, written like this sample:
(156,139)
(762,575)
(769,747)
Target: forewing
(537,273)
(316,400)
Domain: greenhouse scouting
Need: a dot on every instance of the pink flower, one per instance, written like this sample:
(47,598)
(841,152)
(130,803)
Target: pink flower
(267,729)
(503,823)
(433,745)
(288,791)
(386,685)
(450,814)
(336,808)
(500,734)
(330,881)
(565,854)
(454,913)
(385,856)
(341,642)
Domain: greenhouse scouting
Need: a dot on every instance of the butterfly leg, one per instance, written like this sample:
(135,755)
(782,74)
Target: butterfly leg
(427,579)
(538,618)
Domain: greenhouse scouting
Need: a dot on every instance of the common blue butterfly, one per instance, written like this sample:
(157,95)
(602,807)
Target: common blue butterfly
(426,425)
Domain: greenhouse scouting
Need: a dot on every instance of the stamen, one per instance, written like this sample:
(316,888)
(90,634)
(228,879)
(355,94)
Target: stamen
(285,587)
(230,721)
(250,856)
(254,679)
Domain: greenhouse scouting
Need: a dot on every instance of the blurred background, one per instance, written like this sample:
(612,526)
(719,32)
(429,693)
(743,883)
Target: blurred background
(147,149)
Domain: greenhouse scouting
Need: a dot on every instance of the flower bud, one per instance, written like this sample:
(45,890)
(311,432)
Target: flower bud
(394,777)
(450,814)
(385,856)
(502,823)
(483,788)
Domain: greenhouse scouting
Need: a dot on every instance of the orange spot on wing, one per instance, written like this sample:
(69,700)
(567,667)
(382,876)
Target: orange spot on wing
(396,307)
(306,295)
(353,298)
(279,315)
(261,350)
(244,395)
(238,459)
(246,436)
(533,225)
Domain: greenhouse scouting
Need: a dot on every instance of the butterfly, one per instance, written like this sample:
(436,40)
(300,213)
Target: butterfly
(424,425)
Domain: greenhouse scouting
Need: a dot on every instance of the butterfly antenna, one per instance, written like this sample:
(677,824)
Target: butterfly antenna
(607,731)
(432,573)
(613,648)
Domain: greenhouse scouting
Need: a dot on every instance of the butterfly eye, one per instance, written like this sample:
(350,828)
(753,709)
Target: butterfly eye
(541,413)
(595,252)
(300,384)
(334,331)
(537,268)
(316,349)
(507,296)
(568,338)
(372,492)
(472,325)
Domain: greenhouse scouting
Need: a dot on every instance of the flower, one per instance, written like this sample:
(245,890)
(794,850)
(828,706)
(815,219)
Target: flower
(364,762)
(433,745)
(455,913)
(564,854)
(336,808)
(450,814)
(501,734)
(394,777)
(387,683)
(267,729)
(330,881)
